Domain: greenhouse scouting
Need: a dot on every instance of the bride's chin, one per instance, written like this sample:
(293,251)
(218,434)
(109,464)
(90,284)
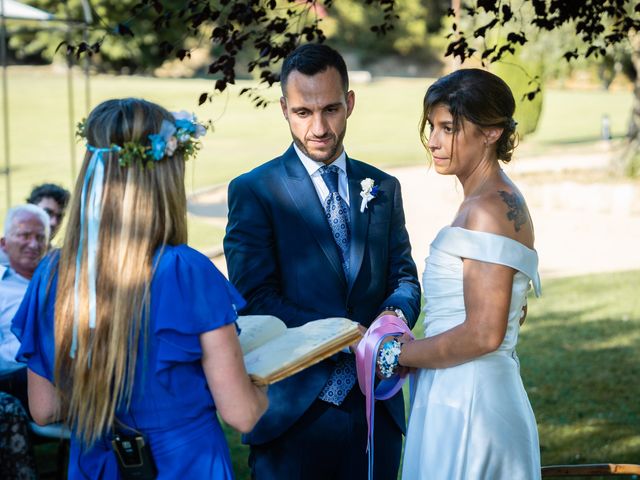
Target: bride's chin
(441,169)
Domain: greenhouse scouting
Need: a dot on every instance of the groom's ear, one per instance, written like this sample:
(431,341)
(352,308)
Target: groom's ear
(283,105)
(351,102)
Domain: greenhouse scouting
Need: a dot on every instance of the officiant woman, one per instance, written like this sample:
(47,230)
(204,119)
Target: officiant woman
(128,333)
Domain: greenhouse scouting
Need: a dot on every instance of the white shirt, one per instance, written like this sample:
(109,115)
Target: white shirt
(313,168)
(13,286)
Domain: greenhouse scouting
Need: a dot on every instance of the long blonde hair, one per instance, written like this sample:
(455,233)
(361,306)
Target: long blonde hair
(143,208)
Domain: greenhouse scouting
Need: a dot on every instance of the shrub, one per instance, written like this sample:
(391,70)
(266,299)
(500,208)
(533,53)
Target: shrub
(522,77)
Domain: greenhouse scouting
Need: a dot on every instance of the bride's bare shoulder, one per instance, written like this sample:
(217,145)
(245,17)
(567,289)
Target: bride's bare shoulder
(502,211)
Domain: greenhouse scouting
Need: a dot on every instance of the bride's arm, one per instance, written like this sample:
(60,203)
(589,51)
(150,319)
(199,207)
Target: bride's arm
(487,297)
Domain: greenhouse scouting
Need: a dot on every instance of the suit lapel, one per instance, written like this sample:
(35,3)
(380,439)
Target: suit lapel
(359,220)
(304,196)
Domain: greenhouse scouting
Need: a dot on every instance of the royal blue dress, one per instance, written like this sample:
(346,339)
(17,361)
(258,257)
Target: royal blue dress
(171,402)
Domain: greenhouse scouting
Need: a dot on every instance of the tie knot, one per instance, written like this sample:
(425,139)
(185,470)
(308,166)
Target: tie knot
(329,174)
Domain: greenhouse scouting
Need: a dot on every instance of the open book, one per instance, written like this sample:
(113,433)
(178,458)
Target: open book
(273,352)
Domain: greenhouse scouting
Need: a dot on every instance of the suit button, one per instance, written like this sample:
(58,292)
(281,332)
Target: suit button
(349,310)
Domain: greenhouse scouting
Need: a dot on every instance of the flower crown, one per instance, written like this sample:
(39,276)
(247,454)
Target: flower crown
(180,136)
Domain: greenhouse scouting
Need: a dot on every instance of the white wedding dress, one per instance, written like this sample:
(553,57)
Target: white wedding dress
(472,421)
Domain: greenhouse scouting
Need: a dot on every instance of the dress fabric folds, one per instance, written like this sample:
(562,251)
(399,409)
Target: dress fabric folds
(472,421)
(171,404)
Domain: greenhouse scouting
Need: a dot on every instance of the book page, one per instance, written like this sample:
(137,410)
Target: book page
(297,345)
(256,330)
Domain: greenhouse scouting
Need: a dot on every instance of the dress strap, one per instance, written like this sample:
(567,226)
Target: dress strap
(492,248)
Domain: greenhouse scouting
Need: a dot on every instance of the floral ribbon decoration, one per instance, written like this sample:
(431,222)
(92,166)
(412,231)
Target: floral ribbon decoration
(182,134)
(368,193)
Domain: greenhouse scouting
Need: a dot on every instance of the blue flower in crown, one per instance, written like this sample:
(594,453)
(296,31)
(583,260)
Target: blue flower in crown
(186,125)
(158,146)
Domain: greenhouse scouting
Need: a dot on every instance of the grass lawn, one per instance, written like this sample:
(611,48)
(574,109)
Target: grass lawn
(580,365)
(382,129)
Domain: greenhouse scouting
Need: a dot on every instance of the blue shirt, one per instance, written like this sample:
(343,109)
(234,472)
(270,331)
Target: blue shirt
(12,289)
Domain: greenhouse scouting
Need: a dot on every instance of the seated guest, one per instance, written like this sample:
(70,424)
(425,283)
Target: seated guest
(16,454)
(128,333)
(53,199)
(26,235)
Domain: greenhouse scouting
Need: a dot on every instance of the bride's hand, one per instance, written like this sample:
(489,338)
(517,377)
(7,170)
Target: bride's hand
(399,369)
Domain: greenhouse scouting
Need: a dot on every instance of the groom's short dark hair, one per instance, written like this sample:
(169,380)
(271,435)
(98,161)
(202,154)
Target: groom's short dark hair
(313,58)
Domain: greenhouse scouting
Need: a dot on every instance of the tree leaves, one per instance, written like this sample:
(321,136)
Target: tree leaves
(260,32)
(600,24)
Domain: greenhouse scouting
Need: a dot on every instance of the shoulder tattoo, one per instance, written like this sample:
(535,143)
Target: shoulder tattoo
(516,212)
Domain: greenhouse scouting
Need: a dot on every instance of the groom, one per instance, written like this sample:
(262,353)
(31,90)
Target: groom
(301,245)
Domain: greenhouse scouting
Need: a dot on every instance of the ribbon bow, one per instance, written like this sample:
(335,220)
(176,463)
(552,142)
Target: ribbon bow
(366,355)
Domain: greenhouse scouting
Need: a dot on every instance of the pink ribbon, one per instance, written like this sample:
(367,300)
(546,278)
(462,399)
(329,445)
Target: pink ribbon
(366,355)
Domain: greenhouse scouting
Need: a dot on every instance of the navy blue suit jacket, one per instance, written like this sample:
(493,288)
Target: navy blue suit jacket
(282,258)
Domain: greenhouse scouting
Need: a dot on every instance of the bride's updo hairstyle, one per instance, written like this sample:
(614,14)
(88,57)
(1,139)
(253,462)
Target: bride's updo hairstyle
(478,96)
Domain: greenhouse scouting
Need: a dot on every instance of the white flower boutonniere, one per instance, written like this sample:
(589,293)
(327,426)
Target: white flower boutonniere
(368,193)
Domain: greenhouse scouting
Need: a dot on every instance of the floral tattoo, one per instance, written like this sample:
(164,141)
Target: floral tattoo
(516,211)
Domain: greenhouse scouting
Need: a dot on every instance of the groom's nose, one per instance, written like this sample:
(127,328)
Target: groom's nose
(319,125)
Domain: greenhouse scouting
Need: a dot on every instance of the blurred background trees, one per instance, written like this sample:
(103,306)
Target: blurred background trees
(528,42)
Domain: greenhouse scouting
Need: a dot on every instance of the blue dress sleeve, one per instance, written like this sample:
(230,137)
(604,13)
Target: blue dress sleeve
(189,296)
(33,323)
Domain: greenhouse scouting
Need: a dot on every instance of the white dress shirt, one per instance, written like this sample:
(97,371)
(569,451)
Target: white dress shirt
(13,286)
(313,168)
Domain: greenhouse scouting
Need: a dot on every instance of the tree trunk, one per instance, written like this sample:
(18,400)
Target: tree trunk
(630,164)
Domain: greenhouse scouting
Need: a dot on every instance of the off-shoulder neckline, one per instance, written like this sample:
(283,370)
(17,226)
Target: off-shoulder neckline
(480,232)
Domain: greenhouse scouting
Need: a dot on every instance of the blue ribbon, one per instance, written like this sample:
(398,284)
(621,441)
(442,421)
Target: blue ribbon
(90,220)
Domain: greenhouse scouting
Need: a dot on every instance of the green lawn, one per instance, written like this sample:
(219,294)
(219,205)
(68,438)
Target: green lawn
(581,364)
(382,129)
(574,117)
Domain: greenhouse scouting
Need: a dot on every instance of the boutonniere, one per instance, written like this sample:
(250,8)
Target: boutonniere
(368,193)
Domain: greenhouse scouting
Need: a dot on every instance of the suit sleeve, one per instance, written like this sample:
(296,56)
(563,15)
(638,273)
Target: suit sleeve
(252,259)
(403,287)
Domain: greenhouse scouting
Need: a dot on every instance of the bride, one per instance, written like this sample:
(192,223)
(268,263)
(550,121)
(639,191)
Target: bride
(470,416)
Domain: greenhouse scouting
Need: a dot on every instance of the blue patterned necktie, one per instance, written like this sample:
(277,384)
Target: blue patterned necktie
(343,377)
(337,213)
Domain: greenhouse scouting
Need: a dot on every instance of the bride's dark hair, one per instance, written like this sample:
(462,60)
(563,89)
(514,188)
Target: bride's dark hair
(478,96)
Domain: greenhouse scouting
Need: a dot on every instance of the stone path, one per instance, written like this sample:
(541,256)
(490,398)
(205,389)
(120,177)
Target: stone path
(581,227)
